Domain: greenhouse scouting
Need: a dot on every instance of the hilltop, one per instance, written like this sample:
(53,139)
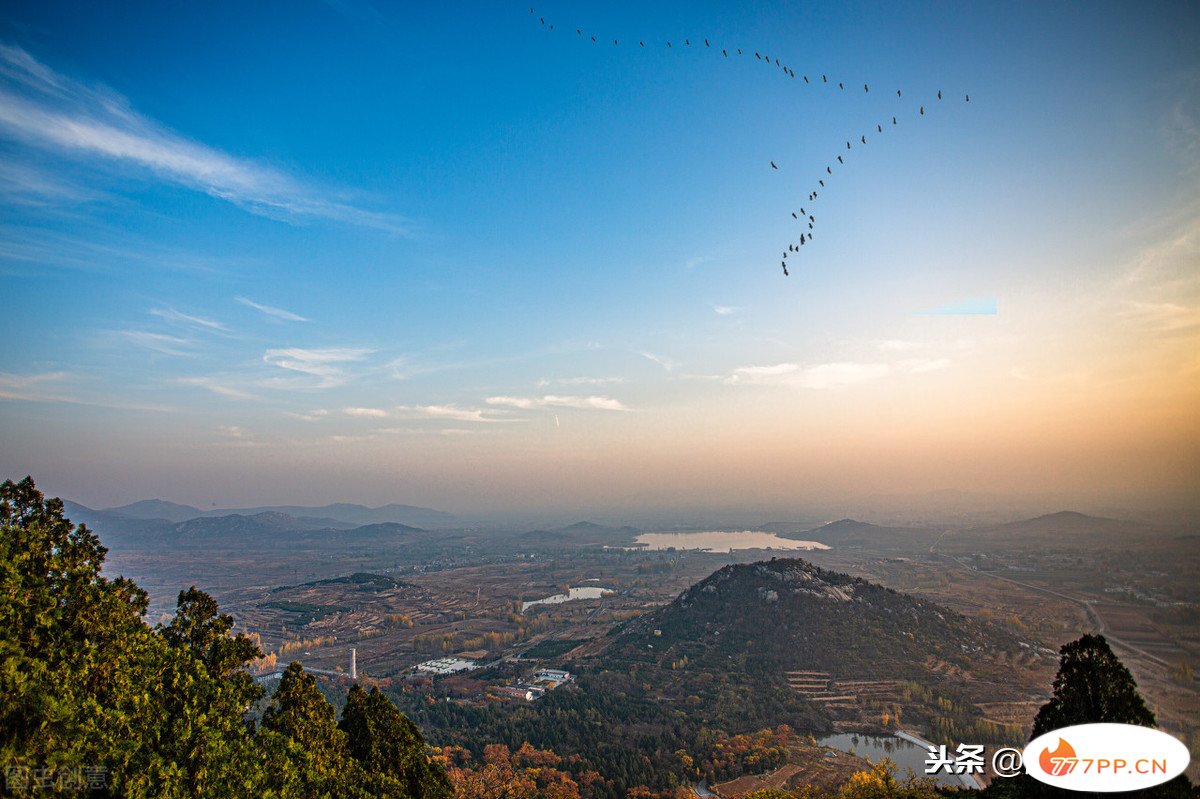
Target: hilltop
(787,614)
(853,533)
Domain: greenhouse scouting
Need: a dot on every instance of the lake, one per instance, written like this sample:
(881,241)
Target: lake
(718,541)
(591,592)
(905,754)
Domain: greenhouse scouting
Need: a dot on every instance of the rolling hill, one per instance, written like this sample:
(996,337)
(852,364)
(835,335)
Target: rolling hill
(786,614)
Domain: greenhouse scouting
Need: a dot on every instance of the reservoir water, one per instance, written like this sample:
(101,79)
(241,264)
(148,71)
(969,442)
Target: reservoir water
(718,541)
(591,592)
(905,754)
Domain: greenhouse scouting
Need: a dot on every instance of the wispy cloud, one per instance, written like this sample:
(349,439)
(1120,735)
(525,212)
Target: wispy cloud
(158,342)
(555,401)
(579,381)
(26,185)
(821,376)
(47,387)
(451,412)
(370,413)
(218,387)
(172,315)
(14,386)
(101,252)
(1164,317)
(231,435)
(664,362)
(830,375)
(48,110)
(324,364)
(311,416)
(277,313)
(725,310)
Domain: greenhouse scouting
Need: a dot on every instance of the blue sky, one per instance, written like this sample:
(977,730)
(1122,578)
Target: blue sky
(443,254)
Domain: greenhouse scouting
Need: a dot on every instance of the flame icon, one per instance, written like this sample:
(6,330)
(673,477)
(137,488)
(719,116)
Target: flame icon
(1060,761)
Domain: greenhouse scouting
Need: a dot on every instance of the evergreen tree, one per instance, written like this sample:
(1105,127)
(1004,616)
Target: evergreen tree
(1092,686)
(76,659)
(308,737)
(160,712)
(390,748)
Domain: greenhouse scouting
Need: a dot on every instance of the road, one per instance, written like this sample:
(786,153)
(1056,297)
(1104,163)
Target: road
(1092,616)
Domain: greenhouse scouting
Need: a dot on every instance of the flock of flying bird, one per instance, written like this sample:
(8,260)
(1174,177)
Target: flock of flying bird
(803,217)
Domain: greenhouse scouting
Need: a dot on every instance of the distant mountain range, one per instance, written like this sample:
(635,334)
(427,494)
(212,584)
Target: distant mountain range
(1064,528)
(333,515)
(852,533)
(231,530)
(580,534)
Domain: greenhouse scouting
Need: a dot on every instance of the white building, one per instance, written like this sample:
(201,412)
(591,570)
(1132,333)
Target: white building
(445,666)
(552,676)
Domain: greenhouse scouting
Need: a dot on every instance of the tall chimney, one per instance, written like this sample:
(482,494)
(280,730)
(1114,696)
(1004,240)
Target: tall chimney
(353,663)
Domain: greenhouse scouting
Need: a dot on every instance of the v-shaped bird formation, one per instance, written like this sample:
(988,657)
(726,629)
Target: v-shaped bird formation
(813,196)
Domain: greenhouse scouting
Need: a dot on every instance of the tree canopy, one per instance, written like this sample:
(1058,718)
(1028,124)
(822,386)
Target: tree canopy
(90,688)
(1092,686)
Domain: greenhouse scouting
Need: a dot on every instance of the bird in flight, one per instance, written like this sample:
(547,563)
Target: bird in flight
(893,120)
(922,110)
(939,94)
(968,98)
(865,88)
(784,265)
(830,171)
(840,161)
(773,165)
(879,128)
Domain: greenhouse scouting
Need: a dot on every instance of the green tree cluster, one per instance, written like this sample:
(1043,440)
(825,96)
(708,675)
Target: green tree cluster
(87,687)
